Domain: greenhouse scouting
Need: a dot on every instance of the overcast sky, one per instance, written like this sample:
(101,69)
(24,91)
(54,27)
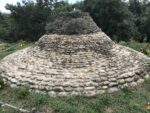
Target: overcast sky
(4,2)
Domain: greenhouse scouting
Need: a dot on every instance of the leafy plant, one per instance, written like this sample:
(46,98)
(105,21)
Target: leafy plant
(71,27)
(22,92)
(146,50)
(75,26)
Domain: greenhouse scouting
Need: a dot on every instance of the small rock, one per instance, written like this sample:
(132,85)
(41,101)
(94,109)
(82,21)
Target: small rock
(62,94)
(68,89)
(100,91)
(75,93)
(88,84)
(104,87)
(147,76)
(14,81)
(133,84)
(39,79)
(90,93)
(22,67)
(121,81)
(112,79)
(123,76)
(58,89)
(113,84)
(13,86)
(124,85)
(89,88)
(52,93)
(102,71)
(79,89)
(129,79)
(103,78)
(113,89)
(140,81)
(106,82)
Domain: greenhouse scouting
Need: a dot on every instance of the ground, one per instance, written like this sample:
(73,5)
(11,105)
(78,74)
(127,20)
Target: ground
(128,100)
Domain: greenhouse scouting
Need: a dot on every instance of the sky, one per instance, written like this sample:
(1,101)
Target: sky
(4,2)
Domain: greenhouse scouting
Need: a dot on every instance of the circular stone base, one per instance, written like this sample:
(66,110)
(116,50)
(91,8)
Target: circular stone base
(88,65)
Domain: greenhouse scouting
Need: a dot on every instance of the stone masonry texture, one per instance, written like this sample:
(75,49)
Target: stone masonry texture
(85,64)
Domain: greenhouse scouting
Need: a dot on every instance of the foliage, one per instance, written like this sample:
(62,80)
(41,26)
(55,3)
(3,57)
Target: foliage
(63,6)
(8,48)
(72,23)
(113,17)
(29,20)
(146,50)
(5,27)
(139,9)
(22,92)
(146,26)
(75,26)
(141,47)
(121,20)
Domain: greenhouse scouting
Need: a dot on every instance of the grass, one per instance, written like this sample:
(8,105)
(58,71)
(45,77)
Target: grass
(125,101)
(6,49)
(128,100)
(134,45)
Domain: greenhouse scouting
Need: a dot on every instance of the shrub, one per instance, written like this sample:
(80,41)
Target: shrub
(146,50)
(75,26)
(22,92)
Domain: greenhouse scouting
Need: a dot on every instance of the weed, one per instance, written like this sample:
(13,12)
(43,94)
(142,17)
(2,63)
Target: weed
(22,92)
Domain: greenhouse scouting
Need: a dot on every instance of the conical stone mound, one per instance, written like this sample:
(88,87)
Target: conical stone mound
(88,63)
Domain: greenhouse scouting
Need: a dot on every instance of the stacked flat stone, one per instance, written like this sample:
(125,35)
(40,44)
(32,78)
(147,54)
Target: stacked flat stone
(85,64)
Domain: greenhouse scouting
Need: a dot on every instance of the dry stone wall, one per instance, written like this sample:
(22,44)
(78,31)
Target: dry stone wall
(62,65)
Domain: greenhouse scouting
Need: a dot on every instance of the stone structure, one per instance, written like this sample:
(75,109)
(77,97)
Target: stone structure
(86,64)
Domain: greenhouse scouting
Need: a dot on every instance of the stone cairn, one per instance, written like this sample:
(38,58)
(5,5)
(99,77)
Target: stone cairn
(82,61)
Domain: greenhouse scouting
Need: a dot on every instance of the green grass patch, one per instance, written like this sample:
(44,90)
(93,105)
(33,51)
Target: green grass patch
(141,47)
(22,92)
(128,100)
(134,45)
(6,49)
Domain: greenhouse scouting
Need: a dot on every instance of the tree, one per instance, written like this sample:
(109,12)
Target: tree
(146,27)
(63,6)
(113,17)
(5,27)
(138,8)
(30,18)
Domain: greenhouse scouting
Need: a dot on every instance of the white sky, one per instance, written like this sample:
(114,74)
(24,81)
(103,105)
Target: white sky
(4,2)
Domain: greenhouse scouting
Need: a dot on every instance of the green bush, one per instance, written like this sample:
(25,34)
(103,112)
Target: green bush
(146,50)
(75,26)
(141,47)
(22,92)
(72,27)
